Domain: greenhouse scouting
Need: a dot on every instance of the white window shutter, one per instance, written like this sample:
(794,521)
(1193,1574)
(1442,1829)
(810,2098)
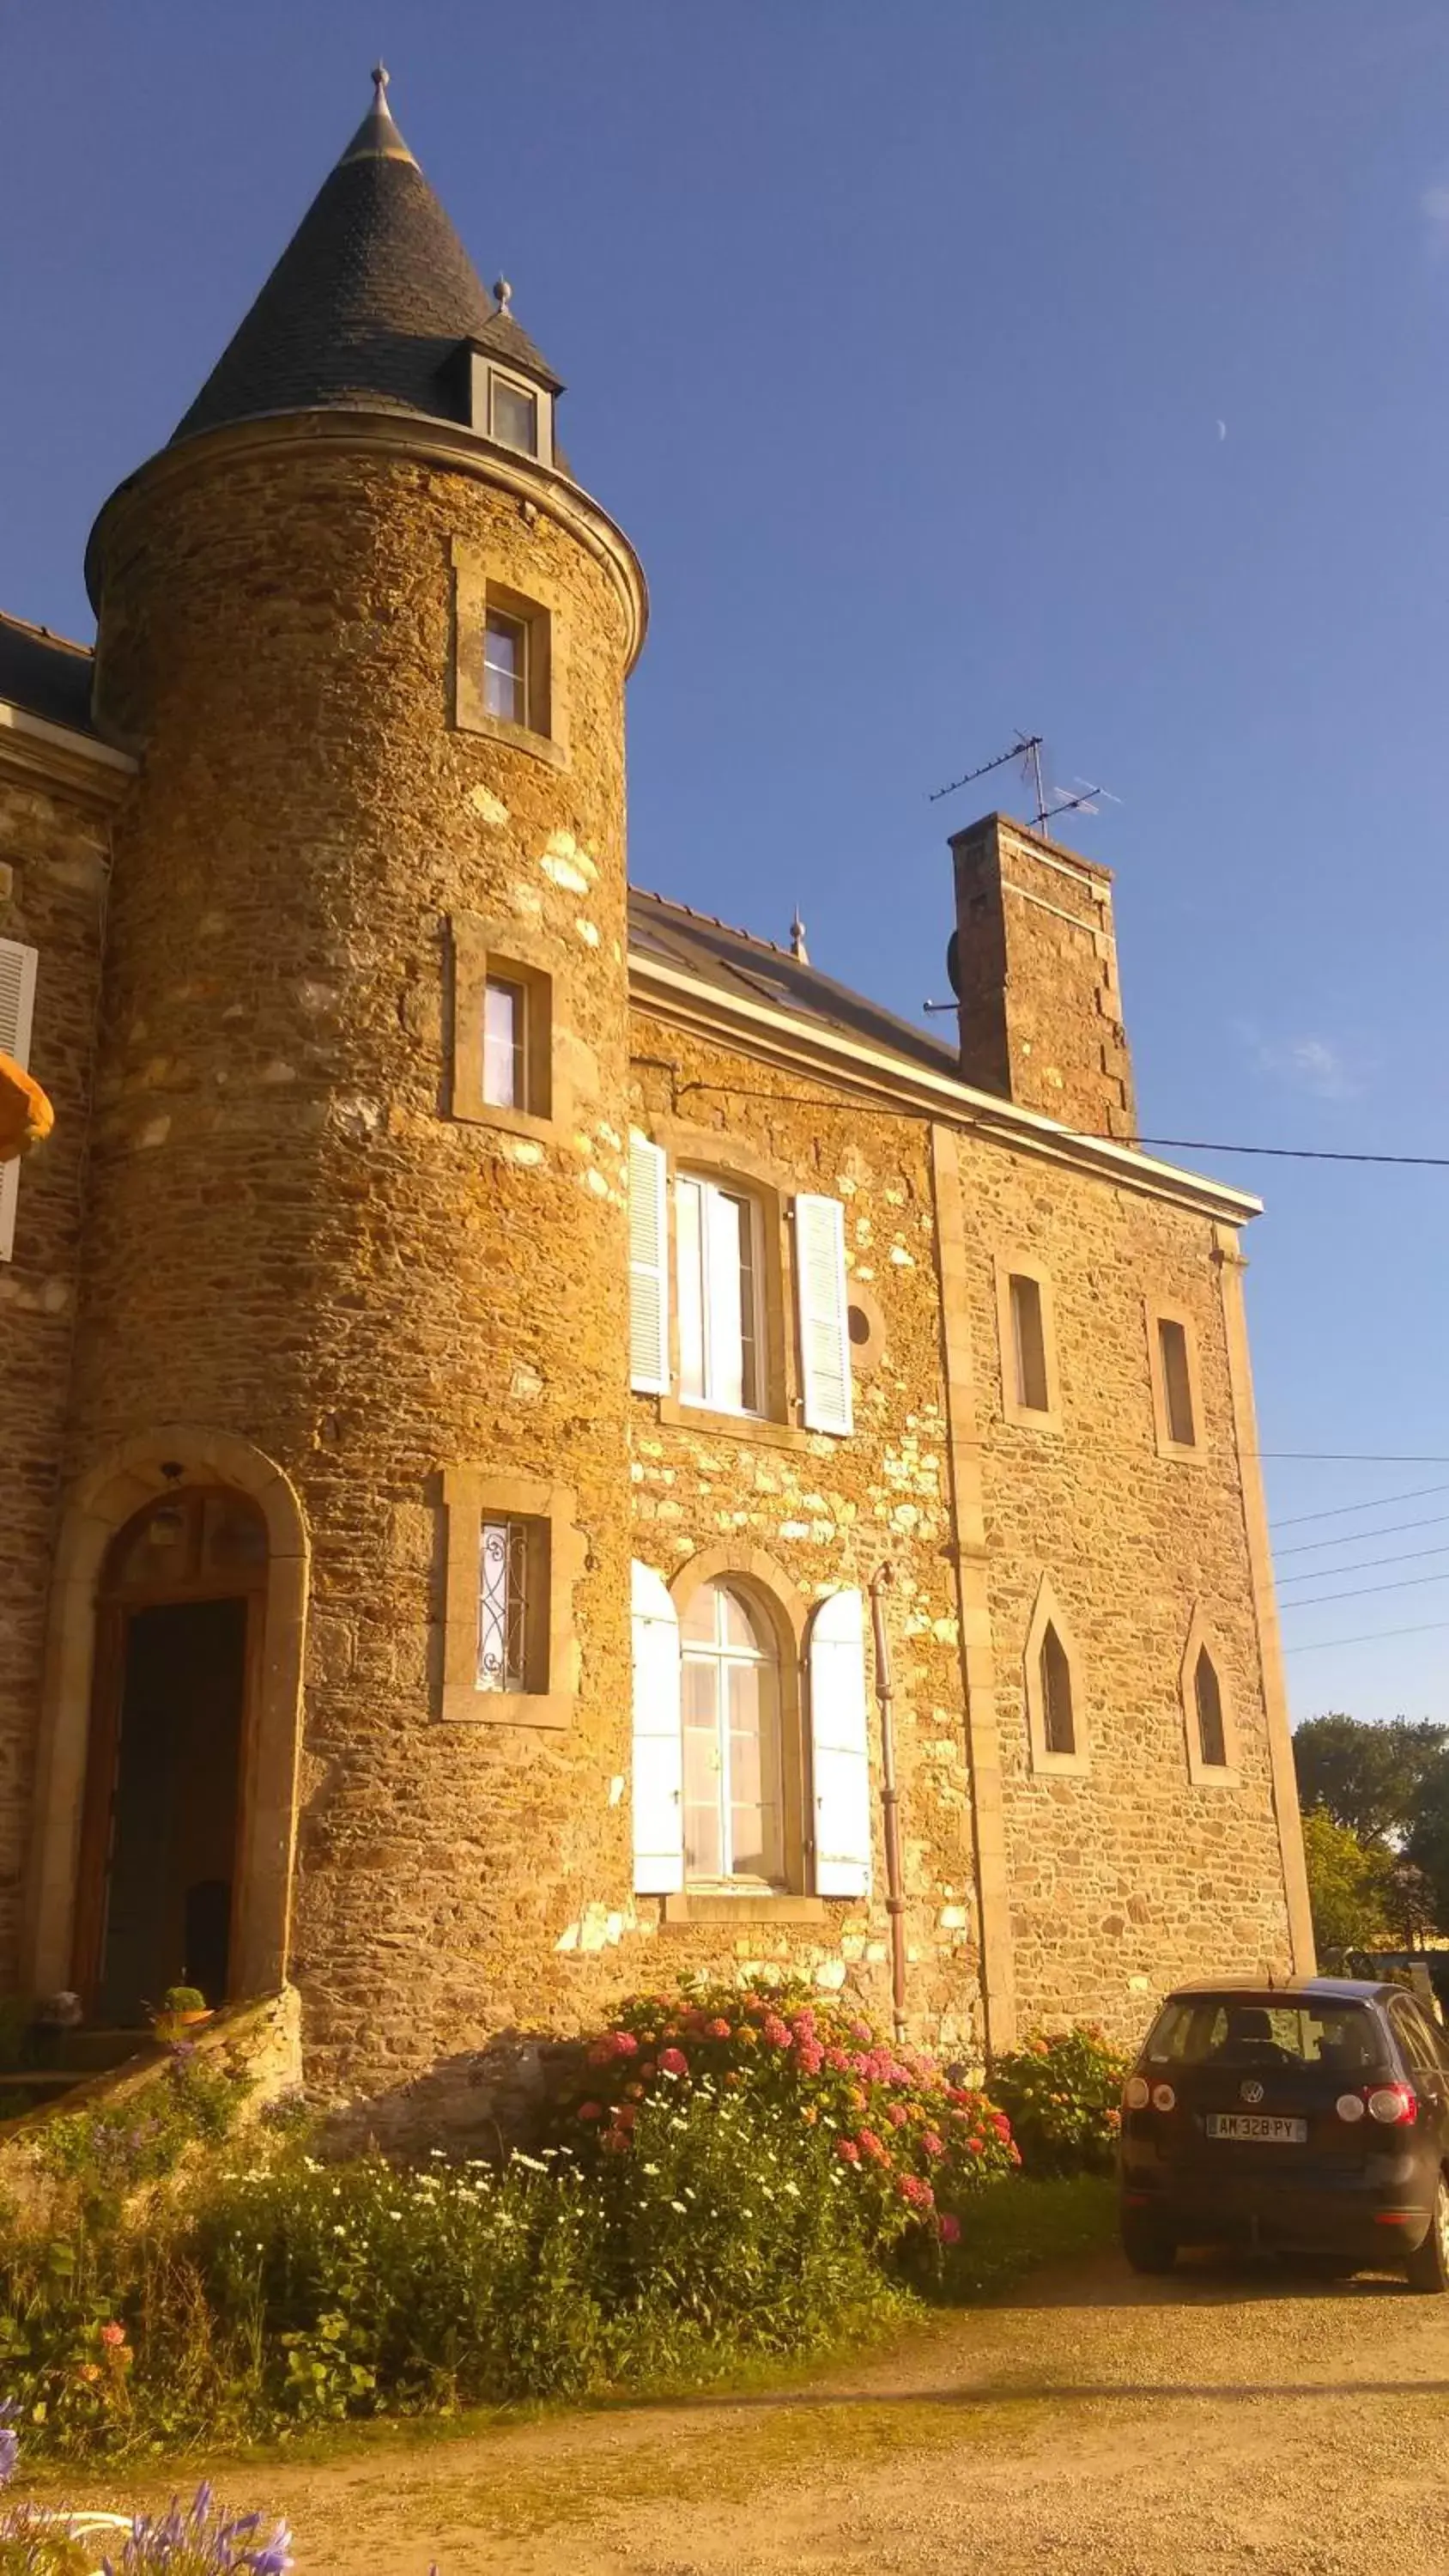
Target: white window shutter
(648,1267)
(17,1009)
(840,1746)
(824,1318)
(658,1739)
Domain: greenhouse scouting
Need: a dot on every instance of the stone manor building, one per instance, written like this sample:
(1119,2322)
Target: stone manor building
(478,1333)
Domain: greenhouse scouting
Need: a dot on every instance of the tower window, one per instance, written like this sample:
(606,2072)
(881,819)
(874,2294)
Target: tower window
(718,1257)
(1028,1344)
(512,1587)
(1059,1730)
(513,415)
(505,667)
(1177,1403)
(1211,1732)
(505,1044)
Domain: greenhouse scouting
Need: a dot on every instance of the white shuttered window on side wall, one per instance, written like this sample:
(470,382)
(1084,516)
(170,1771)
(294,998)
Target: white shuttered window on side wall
(840,1746)
(824,1313)
(17,1009)
(648,1267)
(658,1786)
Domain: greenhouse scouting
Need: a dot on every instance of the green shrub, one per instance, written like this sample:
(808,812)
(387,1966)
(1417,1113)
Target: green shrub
(106,2154)
(1063,2094)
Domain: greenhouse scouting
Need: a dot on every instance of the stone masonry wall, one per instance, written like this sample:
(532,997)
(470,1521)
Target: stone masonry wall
(828,1511)
(53,861)
(1131,1876)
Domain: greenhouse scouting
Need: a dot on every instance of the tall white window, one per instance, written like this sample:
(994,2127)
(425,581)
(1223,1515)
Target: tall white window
(1176,1382)
(718,1259)
(1059,1725)
(505,1022)
(733,1782)
(505,667)
(506,1584)
(1028,1344)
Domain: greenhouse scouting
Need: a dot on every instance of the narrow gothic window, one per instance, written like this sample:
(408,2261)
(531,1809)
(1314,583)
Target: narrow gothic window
(1211,1734)
(1176,1383)
(1059,1732)
(733,1773)
(505,667)
(1028,1344)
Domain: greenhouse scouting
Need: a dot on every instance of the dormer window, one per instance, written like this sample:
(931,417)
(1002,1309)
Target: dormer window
(512,413)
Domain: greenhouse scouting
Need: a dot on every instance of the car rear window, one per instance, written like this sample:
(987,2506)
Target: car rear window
(1222,2030)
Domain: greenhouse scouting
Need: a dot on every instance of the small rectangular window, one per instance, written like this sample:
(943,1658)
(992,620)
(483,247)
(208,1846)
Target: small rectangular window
(719,1297)
(1176,1383)
(1059,1729)
(505,1044)
(513,415)
(1028,1344)
(505,667)
(512,1605)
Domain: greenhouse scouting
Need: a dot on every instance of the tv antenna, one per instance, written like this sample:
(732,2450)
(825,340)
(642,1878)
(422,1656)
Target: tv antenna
(1027,748)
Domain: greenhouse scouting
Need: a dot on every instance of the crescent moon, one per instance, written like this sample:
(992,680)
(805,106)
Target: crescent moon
(1222,429)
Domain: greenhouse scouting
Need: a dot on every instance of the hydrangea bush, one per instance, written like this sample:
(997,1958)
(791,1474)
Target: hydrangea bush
(1062,2092)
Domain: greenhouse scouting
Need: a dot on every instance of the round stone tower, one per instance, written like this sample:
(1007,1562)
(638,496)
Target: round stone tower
(358,1225)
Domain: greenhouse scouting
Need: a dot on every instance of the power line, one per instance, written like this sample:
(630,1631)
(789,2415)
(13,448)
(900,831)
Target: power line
(1336,1512)
(1370,1637)
(1277,1153)
(1329,1573)
(1411,1583)
(1355,1538)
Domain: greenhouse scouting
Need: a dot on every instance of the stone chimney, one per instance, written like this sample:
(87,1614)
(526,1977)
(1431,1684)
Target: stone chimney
(1034,967)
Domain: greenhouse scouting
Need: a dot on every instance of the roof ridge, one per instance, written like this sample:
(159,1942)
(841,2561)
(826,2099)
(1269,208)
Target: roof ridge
(46,634)
(672,903)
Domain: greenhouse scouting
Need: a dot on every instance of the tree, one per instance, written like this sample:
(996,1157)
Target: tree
(1370,1779)
(1426,1847)
(1347,1884)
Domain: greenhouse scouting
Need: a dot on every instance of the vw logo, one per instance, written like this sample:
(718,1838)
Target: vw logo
(1252,2091)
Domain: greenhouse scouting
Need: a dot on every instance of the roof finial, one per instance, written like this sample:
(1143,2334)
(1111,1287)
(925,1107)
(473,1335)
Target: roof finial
(797,939)
(504,292)
(380,78)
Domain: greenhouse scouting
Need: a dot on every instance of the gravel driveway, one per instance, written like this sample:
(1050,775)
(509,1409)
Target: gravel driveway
(1090,2421)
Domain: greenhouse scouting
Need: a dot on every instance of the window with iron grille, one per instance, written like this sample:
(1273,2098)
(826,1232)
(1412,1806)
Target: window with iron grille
(512,1589)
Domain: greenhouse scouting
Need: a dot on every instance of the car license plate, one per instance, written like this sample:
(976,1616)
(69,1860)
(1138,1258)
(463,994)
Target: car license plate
(1263,2128)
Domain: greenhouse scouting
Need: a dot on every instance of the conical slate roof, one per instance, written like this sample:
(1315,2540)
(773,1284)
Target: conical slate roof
(372,294)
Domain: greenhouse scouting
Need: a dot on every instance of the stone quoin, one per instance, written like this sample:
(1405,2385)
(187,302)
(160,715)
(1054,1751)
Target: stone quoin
(476,1333)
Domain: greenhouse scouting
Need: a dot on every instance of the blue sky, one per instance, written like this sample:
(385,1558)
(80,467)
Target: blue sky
(1074,365)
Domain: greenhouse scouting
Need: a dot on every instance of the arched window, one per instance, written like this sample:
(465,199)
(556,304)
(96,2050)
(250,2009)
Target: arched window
(1211,1732)
(1059,1729)
(733,1772)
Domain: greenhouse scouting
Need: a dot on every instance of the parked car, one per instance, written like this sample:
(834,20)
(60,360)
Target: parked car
(1311,2116)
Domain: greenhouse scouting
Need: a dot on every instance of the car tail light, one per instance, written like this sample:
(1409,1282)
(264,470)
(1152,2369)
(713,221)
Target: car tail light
(1136,2093)
(1393,2103)
(1350,2106)
(1163,2098)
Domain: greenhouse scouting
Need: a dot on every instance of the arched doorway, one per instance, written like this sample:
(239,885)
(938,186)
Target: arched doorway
(179,1618)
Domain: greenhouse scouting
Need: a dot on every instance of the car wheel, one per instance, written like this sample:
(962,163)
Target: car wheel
(1428,2266)
(1147,2244)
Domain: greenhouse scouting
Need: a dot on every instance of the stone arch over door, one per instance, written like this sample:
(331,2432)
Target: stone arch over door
(142,1469)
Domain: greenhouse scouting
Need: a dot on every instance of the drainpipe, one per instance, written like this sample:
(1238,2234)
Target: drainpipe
(890,1799)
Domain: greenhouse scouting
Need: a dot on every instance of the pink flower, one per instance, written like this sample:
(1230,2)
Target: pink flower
(1002,2126)
(775,2031)
(847,2149)
(897,2114)
(836,2059)
(602,2053)
(918,2193)
(672,2061)
(591,2110)
(809,2056)
(719,2028)
(870,2145)
(113,2334)
(625,2043)
(862,2031)
(803,2024)
(948,2229)
(977,2146)
(625,2115)
(931,2145)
